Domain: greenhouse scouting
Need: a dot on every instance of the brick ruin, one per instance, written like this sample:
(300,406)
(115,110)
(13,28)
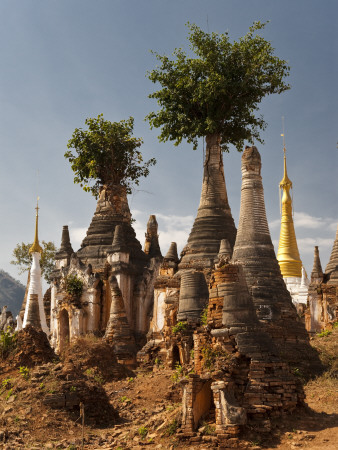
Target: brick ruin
(322,309)
(221,313)
(224,314)
(115,275)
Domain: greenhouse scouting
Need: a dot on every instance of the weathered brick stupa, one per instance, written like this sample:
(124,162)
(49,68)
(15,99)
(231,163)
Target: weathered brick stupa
(82,294)
(214,220)
(254,251)
(239,378)
(182,297)
(322,311)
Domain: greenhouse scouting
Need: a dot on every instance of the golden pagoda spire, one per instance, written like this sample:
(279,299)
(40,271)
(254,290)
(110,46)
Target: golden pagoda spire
(36,248)
(288,254)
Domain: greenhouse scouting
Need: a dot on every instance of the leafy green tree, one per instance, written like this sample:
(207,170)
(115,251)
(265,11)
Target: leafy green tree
(217,91)
(106,155)
(23,258)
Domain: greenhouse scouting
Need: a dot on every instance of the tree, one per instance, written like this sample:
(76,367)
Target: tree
(107,155)
(218,91)
(23,258)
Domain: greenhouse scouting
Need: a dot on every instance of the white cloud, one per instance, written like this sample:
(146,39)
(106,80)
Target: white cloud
(304,220)
(171,228)
(306,245)
(76,237)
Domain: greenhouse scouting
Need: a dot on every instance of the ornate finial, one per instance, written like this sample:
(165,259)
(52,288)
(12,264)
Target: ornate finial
(286,180)
(36,248)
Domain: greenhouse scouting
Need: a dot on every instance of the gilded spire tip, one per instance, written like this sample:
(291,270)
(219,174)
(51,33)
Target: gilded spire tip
(36,248)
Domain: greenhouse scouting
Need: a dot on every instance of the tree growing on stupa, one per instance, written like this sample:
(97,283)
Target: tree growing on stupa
(106,154)
(217,91)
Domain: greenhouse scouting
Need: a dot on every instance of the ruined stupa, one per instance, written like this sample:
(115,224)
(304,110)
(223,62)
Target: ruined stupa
(214,220)
(322,309)
(255,252)
(81,297)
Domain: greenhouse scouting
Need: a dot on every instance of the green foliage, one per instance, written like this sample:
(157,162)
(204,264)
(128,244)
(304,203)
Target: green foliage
(72,389)
(209,430)
(171,428)
(24,371)
(23,258)
(125,399)
(7,342)
(74,286)
(106,154)
(204,316)
(178,373)
(180,326)
(335,325)
(143,431)
(6,383)
(9,393)
(218,90)
(211,355)
(324,333)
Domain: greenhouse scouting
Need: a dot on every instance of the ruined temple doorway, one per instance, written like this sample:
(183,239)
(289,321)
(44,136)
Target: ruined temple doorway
(64,329)
(175,357)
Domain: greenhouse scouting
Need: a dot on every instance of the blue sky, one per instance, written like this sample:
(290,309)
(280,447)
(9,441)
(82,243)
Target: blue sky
(65,60)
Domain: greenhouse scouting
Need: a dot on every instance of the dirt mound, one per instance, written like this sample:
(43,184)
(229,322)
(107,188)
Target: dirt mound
(32,349)
(326,343)
(94,358)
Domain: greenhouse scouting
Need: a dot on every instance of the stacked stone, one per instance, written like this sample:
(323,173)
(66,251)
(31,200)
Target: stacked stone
(118,333)
(193,296)
(66,249)
(254,251)
(152,246)
(332,265)
(112,209)
(214,220)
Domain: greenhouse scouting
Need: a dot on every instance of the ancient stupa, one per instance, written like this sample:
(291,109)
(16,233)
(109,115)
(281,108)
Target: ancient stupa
(34,309)
(255,252)
(110,251)
(322,309)
(214,220)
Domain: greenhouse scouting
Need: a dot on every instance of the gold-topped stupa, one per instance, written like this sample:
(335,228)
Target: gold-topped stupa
(288,254)
(36,248)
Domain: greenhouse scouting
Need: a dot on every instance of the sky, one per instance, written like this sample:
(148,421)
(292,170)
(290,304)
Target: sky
(65,60)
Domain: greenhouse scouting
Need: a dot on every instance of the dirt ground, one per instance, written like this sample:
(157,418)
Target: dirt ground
(133,410)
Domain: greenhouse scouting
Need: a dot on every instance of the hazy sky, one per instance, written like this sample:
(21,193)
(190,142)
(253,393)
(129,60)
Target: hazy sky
(65,60)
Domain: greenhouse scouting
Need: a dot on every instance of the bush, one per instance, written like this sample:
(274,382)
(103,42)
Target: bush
(180,326)
(324,333)
(74,287)
(7,342)
(143,431)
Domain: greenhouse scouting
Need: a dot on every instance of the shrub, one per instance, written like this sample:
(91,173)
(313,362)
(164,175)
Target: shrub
(324,333)
(24,372)
(171,428)
(143,431)
(74,287)
(7,342)
(204,316)
(180,326)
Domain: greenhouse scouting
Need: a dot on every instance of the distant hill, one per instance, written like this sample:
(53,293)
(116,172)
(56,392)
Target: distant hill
(11,293)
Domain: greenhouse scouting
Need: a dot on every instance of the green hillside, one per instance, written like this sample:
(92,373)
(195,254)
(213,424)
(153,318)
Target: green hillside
(11,293)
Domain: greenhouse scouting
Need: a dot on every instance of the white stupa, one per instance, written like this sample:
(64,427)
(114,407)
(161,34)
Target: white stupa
(34,310)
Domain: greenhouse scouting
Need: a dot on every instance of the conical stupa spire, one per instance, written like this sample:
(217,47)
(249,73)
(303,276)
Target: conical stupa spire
(118,241)
(152,246)
(333,262)
(214,220)
(172,253)
(112,209)
(118,332)
(66,249)
(317,272)
(288,254)
(254,249)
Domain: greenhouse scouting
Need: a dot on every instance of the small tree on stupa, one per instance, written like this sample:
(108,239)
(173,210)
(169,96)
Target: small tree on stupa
(107,156)
(216,93)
